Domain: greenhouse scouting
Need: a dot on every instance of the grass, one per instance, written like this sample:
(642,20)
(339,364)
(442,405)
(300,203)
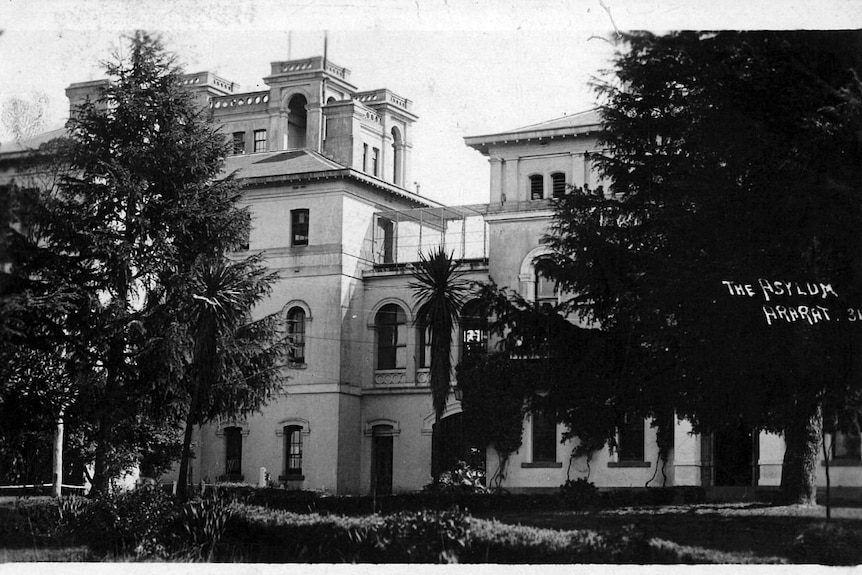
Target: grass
(751,530)
(698,533)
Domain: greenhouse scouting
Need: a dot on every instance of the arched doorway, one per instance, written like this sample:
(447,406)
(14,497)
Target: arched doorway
(297,120)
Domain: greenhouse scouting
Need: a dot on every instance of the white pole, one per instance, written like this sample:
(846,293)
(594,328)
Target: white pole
(261,480)
(57,489)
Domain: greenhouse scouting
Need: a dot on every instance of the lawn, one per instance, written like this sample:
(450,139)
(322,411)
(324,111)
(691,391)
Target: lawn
(748,529)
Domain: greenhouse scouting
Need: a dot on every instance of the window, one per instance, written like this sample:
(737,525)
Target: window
(239,143)
(537,187)
(474,329)
(846,446)
(558,185)
(391,337)
(375,157)
(296,335)
(292,450)
(385,241)
(299,227)
(544,438)
(259,141)
(233,452)
(630,439)
(546,288)
(424,347)
(365,157)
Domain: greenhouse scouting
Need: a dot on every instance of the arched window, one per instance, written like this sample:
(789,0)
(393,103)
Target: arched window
(397,156)
(558,184)
(296,335)
(474,329)
(537,187)
(391,337)
(292,450)
(546,288)
(296,121)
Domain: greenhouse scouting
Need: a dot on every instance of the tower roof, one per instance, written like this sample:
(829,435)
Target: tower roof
(579,124)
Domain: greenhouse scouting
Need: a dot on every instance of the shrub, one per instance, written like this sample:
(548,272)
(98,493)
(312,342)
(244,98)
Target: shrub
(579,492)
(128,522)
(422,537)
(460,479)
(197,527)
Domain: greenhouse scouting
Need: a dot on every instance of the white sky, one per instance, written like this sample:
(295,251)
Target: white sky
(471,67)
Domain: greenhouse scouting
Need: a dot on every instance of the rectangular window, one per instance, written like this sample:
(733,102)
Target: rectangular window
(375,157)
(239,143)
(299,227)
(846,446)
(537,187)
(424,347)
(259,141)
(365,158)
(544,438)
(233,451)
(558,185)
(293,450)
(630,439)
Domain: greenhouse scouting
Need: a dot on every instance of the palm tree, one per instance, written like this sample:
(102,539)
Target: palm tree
(441,292)
(234,361)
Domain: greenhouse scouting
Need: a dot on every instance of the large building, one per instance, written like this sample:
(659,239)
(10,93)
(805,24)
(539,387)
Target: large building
(325,168)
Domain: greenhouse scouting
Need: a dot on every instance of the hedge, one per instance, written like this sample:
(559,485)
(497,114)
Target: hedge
(313,502)
(256,534)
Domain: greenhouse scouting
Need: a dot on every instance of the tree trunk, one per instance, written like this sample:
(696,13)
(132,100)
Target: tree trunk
(183,478)
(57,489)
(799,468)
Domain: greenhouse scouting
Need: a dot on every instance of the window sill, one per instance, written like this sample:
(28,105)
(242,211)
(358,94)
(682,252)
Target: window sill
(297,365)
(629,464)
(843,463)
(291,477)
(541,465)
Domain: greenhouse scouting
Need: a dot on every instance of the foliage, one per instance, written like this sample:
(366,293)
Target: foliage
(545,362)
(461,478)
(198,526)
(734,156)
(579,492)
(423,537)
(494,403)
(136,206)
(266,535)
(440,290)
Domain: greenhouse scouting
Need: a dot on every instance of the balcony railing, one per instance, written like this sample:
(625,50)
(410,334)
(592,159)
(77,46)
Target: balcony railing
(401,235)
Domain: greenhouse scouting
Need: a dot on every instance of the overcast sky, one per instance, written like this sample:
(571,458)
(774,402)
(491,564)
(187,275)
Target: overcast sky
(470,67)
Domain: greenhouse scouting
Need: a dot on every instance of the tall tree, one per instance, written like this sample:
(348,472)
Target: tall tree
(440,289)
(735,157)
(235,362)
(143,198)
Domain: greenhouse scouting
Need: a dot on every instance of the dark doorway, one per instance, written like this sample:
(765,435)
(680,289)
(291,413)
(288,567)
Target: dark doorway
(734,457)
(447,444)
(381,460)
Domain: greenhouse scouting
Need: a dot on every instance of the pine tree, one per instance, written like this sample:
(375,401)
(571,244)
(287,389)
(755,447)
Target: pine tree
(734,156)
